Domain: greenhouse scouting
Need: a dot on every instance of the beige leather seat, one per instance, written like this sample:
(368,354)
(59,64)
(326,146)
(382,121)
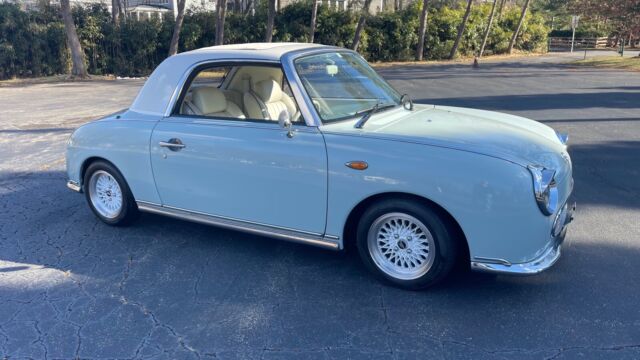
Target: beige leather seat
(266,101)
(210,101)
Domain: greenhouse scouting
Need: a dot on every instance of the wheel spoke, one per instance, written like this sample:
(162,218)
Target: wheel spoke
(400,245)
(105,194)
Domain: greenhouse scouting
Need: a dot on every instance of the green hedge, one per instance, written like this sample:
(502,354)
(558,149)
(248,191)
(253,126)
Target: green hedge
(32,43)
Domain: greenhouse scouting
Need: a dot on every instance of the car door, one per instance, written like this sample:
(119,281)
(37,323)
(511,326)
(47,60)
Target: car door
(241,169)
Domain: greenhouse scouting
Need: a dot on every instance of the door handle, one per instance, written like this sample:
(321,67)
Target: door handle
(173,144)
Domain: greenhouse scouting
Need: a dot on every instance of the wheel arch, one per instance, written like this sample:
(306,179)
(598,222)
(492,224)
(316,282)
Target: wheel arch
(90,160)
(350,227)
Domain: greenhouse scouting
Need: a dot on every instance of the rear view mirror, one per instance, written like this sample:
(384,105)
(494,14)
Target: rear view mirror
(332,69)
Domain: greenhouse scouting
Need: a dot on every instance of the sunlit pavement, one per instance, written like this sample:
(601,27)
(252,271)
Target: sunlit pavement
(71,287)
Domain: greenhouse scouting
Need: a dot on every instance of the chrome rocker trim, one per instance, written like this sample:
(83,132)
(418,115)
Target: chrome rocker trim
(323,241)
(74,186)
(535,266)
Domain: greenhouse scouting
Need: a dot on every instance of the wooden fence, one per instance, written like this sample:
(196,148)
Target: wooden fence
(557,43)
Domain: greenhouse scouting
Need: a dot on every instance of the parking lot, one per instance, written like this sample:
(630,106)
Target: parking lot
(72,287)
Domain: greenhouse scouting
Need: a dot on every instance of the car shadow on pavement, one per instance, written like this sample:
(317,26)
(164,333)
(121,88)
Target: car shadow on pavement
(164,280)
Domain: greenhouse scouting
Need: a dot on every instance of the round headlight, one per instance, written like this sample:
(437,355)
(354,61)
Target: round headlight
(544,188)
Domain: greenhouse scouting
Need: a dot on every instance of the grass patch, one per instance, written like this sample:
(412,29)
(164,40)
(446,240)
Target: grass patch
(612,62)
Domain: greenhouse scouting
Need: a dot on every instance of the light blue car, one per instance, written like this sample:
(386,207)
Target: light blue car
(306,143)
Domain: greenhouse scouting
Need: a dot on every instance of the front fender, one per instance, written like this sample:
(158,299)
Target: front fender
(490,198)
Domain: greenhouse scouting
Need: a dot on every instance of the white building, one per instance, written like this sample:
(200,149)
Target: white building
(140,9)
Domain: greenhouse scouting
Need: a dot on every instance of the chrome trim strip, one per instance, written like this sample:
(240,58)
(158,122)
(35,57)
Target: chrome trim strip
(74,186)
(314,239)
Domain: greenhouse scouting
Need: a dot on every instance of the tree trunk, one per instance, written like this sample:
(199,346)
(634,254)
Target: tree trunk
(78,68)
(314,15)
(122,6)
(360,26)
(115,11)
(221,8)
(237,6)
(461,28)
(488,30)
(249,6)
(422,31)
(173,48)
(271,18)
(500,9)
(515,33)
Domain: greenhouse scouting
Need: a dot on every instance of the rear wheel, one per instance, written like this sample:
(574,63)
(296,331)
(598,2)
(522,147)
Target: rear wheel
(108,194)
(406,243)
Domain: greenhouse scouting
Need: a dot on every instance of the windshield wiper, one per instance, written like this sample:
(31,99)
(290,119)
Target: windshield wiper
(368,112)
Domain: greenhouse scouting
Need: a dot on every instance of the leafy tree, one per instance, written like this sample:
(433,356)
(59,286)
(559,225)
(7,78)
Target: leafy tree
(364,13)
(623,15)
(525,7)
(463,24)
(424,12)
(486,32)
(78,68)
(173,47)
(314,16)
(271,17)
(221,7)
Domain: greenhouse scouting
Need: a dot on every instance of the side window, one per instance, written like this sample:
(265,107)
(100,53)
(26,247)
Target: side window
(205,96)
(251,92)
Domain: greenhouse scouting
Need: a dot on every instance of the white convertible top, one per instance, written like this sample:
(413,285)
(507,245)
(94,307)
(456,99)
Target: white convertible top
(158,90)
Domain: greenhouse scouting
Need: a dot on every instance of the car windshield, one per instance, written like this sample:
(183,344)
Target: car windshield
(342,85)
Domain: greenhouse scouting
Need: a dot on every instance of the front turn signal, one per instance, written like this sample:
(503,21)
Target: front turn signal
(357,165)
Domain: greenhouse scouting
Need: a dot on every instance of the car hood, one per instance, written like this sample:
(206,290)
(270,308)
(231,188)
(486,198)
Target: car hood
(509,137)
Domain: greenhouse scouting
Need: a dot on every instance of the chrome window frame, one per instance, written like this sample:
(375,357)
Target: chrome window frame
(310,118)
(288,64)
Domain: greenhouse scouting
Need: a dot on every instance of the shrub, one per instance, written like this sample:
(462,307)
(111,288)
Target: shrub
(33,43)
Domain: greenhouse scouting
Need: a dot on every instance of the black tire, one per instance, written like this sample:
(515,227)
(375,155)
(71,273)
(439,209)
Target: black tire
(129,210)
(445,245)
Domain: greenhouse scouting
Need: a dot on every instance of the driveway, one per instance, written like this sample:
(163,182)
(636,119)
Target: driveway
(71,287)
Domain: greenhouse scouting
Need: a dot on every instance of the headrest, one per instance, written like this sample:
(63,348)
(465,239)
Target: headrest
(209,99)
(269,90)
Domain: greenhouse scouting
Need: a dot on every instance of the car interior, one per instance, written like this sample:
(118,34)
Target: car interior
(240,92)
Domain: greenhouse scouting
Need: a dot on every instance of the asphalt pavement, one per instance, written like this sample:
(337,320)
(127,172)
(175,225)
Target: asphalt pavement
(72,287)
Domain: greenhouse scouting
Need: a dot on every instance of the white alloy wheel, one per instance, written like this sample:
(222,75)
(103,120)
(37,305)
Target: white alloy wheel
(401,246)
(105,194)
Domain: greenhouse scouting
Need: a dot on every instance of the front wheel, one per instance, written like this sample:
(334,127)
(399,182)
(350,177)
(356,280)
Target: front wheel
(406,244)
(108,194)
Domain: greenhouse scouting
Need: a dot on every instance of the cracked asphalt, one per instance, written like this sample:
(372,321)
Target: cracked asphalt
(72,287)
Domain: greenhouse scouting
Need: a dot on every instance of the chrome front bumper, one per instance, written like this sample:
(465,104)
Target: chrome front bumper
(74,186)
(539,264)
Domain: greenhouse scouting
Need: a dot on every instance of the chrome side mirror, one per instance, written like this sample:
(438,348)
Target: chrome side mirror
(406,102)
(284,119)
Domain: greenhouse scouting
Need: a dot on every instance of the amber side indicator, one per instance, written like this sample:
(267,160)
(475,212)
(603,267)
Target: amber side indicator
(357,165)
